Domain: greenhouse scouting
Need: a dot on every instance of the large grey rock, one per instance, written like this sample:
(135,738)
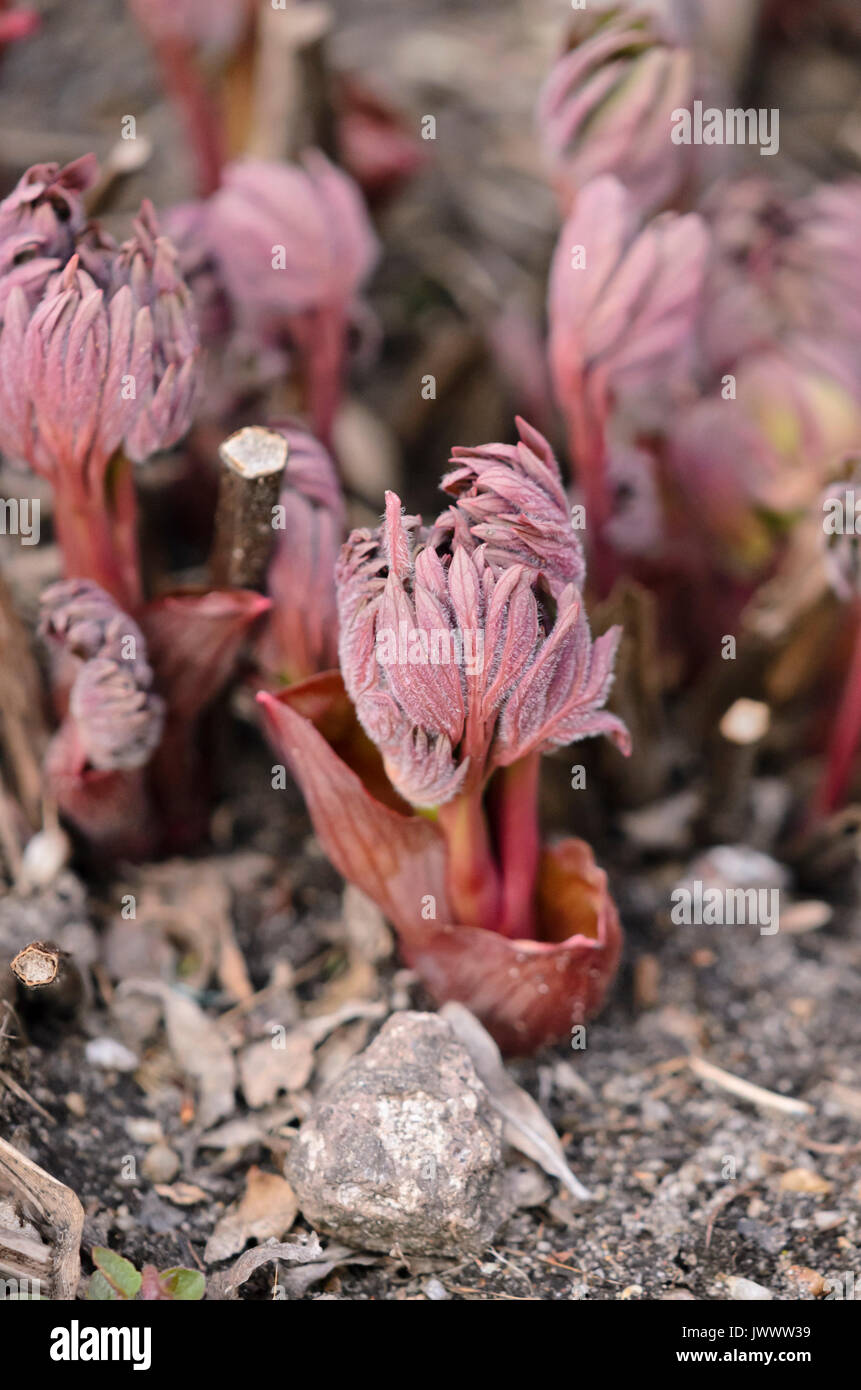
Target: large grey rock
(404,1149)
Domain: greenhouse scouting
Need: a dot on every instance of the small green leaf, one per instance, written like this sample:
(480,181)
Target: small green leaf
(115,1278)
(100,1291)
(184,1285)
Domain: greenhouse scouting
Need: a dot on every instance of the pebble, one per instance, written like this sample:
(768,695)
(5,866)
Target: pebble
(746,1291)
(805,1280)
(404,1148)
(143,1130)
(160,1164)
(110,1054)
(803,1180)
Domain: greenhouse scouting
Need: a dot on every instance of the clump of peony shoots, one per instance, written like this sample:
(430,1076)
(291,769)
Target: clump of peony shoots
(466,654)
(98,364)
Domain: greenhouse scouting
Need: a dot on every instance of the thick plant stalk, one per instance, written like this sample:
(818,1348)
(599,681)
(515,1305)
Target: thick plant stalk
(321,337)
(473,880)
(845,735)
(587,447)
(97,531)
(515,804)
(184,83)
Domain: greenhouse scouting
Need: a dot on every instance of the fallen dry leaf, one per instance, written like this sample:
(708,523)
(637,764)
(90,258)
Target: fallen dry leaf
(197,1045)
(526,1126)
(266,1209)
(182,1194)
(281,1063)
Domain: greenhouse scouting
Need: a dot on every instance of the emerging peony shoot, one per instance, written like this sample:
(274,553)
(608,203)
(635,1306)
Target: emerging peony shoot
(466,653)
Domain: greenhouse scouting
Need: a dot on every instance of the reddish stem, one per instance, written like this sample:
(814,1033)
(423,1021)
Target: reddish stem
(97,531)
(588,450)
(321,337)
(515,798)
(186,87)
(473,880)
(845,734)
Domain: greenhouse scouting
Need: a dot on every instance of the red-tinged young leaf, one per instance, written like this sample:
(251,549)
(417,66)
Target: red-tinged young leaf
(323,700)
(175,1285)
(194,640)
(398,860)
(183,1285)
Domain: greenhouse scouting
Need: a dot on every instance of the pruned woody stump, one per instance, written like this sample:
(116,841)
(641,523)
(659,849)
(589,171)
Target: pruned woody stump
(253,462)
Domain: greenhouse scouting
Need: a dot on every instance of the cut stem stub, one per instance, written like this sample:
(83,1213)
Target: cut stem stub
(253,461)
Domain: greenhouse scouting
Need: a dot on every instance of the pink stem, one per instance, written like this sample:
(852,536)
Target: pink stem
(515,793)
(98,533)
(845,734)
(588,449)
(203,124)
(473,880)
(322,340)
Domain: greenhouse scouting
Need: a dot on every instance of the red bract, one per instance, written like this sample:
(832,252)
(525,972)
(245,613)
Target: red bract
(783,266)
(301,636)
(466,653)
(527,992)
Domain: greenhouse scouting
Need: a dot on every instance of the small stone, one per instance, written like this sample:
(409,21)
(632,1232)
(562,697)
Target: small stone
(828,1220)
(404,1148)
(143,1130)
(746,1291)
(435,1291)
(805,1281)
(632,1291)
(46,854)
(160,1164)
(76,1105)
(110,1054)
(803,1180)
